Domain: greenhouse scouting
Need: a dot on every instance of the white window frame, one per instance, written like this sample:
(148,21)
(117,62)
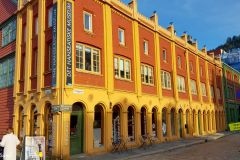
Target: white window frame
(193,87)
(203,89)
(121,36)
(145,47)
(164,55)
(90,29)
(126,68)
(179,62)
(36,25)
(181,84)
(166,80)
(95,58)
(212,91)
(218,93)
(9,33)
(50,17)
(147,75)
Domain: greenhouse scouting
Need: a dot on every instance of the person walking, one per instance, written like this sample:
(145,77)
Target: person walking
(9,142)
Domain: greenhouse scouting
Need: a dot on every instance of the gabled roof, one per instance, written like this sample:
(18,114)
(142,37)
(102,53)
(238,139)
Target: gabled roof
(7,9)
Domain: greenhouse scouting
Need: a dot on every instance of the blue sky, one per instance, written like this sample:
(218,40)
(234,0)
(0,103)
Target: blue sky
(208,21)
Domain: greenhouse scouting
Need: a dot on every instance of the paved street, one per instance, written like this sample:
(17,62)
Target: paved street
(226,148)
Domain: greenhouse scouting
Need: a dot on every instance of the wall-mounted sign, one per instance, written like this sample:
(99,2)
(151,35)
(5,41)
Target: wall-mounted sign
(234,126)
(69,43)
(48,91)
(54,45)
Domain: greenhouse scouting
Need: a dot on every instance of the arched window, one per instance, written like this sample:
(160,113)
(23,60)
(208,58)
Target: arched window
(199,122)
(180,122)
(194,121)
(187,122)
(116,124)
(204,121)
(48,121)
(164,122)
(173,121)
(143,121)
(131,124)
(33,121)
(98,126)
(20,122)
(154,122)
(209,120)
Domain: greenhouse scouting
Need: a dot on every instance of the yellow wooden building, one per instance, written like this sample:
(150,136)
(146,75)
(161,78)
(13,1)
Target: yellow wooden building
(91,72)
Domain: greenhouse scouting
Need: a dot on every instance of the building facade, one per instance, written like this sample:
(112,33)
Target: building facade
(231,85)
(7,61)
(89,72)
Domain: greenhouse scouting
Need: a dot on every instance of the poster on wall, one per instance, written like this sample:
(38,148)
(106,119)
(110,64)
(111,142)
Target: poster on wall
(68,43)
(54,45)
(33,148)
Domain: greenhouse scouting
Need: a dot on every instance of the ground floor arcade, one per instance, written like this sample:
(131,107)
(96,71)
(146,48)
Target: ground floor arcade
(91,124)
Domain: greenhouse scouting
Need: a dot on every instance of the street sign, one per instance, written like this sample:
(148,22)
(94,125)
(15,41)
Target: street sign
(234,126)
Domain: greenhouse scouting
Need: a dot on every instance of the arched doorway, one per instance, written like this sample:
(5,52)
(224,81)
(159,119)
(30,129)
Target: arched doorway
(204,121)
(20,123)
(187,121)
(33,121)
(143,121)
(199,122)
(164,122)
(173,122)
(209,121)
(116,123)
(48,121)
(180,121)
(194,121)
(154,122)
(98,126)
(213,121)
(77,129)
(131,124)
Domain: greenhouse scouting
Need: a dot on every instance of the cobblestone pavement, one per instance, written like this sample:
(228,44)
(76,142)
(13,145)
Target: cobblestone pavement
(227,148)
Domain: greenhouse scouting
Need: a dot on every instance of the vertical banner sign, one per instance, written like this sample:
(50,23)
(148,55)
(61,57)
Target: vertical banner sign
(54,45)
(69,43)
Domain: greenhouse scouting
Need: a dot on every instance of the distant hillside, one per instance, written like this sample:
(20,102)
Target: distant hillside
(230,44)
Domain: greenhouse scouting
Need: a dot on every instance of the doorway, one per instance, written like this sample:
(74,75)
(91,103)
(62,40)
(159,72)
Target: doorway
(77,129)
(180,129)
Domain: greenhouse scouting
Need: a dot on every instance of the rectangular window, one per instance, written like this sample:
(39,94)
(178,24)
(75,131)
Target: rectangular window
(219,94)
(181,84)
(9,33)
(7,72)
(166,80)
(36,25)
(121,36)
(122,68)
(147,74)
(87,58)
(179,62)
(35,62)
(50,14)
(87,17)
(193,87)
(212,91)
(50,56)
(145,47)
(203,87)
(191,67)
(201,71)
(164,55)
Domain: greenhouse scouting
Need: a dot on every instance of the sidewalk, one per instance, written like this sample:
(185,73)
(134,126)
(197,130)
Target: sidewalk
(154,149)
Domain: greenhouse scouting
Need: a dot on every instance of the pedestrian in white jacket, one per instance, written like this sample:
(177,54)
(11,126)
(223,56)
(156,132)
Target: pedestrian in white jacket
(9,142)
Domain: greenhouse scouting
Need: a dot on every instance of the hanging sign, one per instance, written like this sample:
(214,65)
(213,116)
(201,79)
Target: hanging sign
(69,43)
(54,45)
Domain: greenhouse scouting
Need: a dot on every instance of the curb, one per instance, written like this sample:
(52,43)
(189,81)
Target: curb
(203,140)
(163,150)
